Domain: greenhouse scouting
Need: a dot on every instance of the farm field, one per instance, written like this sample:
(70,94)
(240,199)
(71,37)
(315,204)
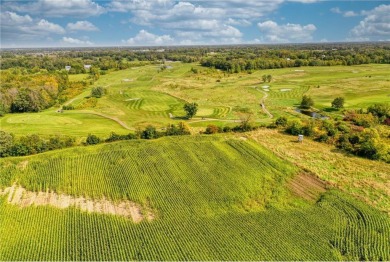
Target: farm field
(146,95)
(261,207)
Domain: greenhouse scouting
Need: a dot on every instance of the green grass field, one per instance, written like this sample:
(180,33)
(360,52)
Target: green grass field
(142,95)
(51,122)
(213,198)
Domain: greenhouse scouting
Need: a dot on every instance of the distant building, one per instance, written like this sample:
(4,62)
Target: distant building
(87,66)
(67,68)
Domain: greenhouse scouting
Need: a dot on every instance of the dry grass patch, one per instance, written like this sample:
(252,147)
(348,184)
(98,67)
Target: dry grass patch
(17,195)
(365,179)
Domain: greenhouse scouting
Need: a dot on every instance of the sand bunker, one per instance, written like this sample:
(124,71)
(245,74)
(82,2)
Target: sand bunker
(127,80)
(19,196)
(285,89)
(265,86)
(132,99)
(299,70)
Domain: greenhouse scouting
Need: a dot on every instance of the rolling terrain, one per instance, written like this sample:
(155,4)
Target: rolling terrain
(204,197)
(145,95)
(255,195)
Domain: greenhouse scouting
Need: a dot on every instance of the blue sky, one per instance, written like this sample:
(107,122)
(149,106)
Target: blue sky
(55,23)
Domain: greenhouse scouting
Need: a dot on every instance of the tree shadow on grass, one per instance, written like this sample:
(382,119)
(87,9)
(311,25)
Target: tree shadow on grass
(330,109)
(180,118)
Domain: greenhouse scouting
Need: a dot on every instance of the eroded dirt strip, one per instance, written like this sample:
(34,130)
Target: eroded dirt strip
(17,195)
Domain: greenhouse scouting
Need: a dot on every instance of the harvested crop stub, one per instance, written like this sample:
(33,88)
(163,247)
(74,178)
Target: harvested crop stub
(17,195)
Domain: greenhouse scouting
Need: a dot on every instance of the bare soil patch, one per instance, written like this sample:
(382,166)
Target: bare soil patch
(307,186)
(17,195)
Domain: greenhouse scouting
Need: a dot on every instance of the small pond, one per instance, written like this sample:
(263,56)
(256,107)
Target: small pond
(311,114)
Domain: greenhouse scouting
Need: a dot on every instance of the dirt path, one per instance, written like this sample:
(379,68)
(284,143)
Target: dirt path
(19,196)
(204,119)
(262,103)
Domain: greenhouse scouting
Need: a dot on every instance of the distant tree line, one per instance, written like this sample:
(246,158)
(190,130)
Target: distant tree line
(31,144)
(34,144)
(227,58)
(149,132)
(273,59)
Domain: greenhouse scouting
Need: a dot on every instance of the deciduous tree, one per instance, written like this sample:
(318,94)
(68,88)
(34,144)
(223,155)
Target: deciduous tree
(191,109)
(307,102)
(338,102)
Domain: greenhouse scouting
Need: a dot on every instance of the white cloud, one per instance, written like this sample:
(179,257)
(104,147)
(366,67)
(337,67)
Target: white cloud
(76,42)
(200,21)
(350,14)
(304,1)
(144,38)
(239,22)
(24,31)
(57,8)
(133,5)
(82,26)
(45,26)
(11,18)
(374,27)
(225,31)
(12,23)
(286,33)
(337,10)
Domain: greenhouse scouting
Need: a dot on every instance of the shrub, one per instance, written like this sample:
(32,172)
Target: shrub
(281,121)
(379,110)
(69,107)
(338,102)
(212,129)
(97,92)
(92,140)
(323,138)
(227,129)
(294,128)
(150,132)
(307,102)
(6,142)
(179,130)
